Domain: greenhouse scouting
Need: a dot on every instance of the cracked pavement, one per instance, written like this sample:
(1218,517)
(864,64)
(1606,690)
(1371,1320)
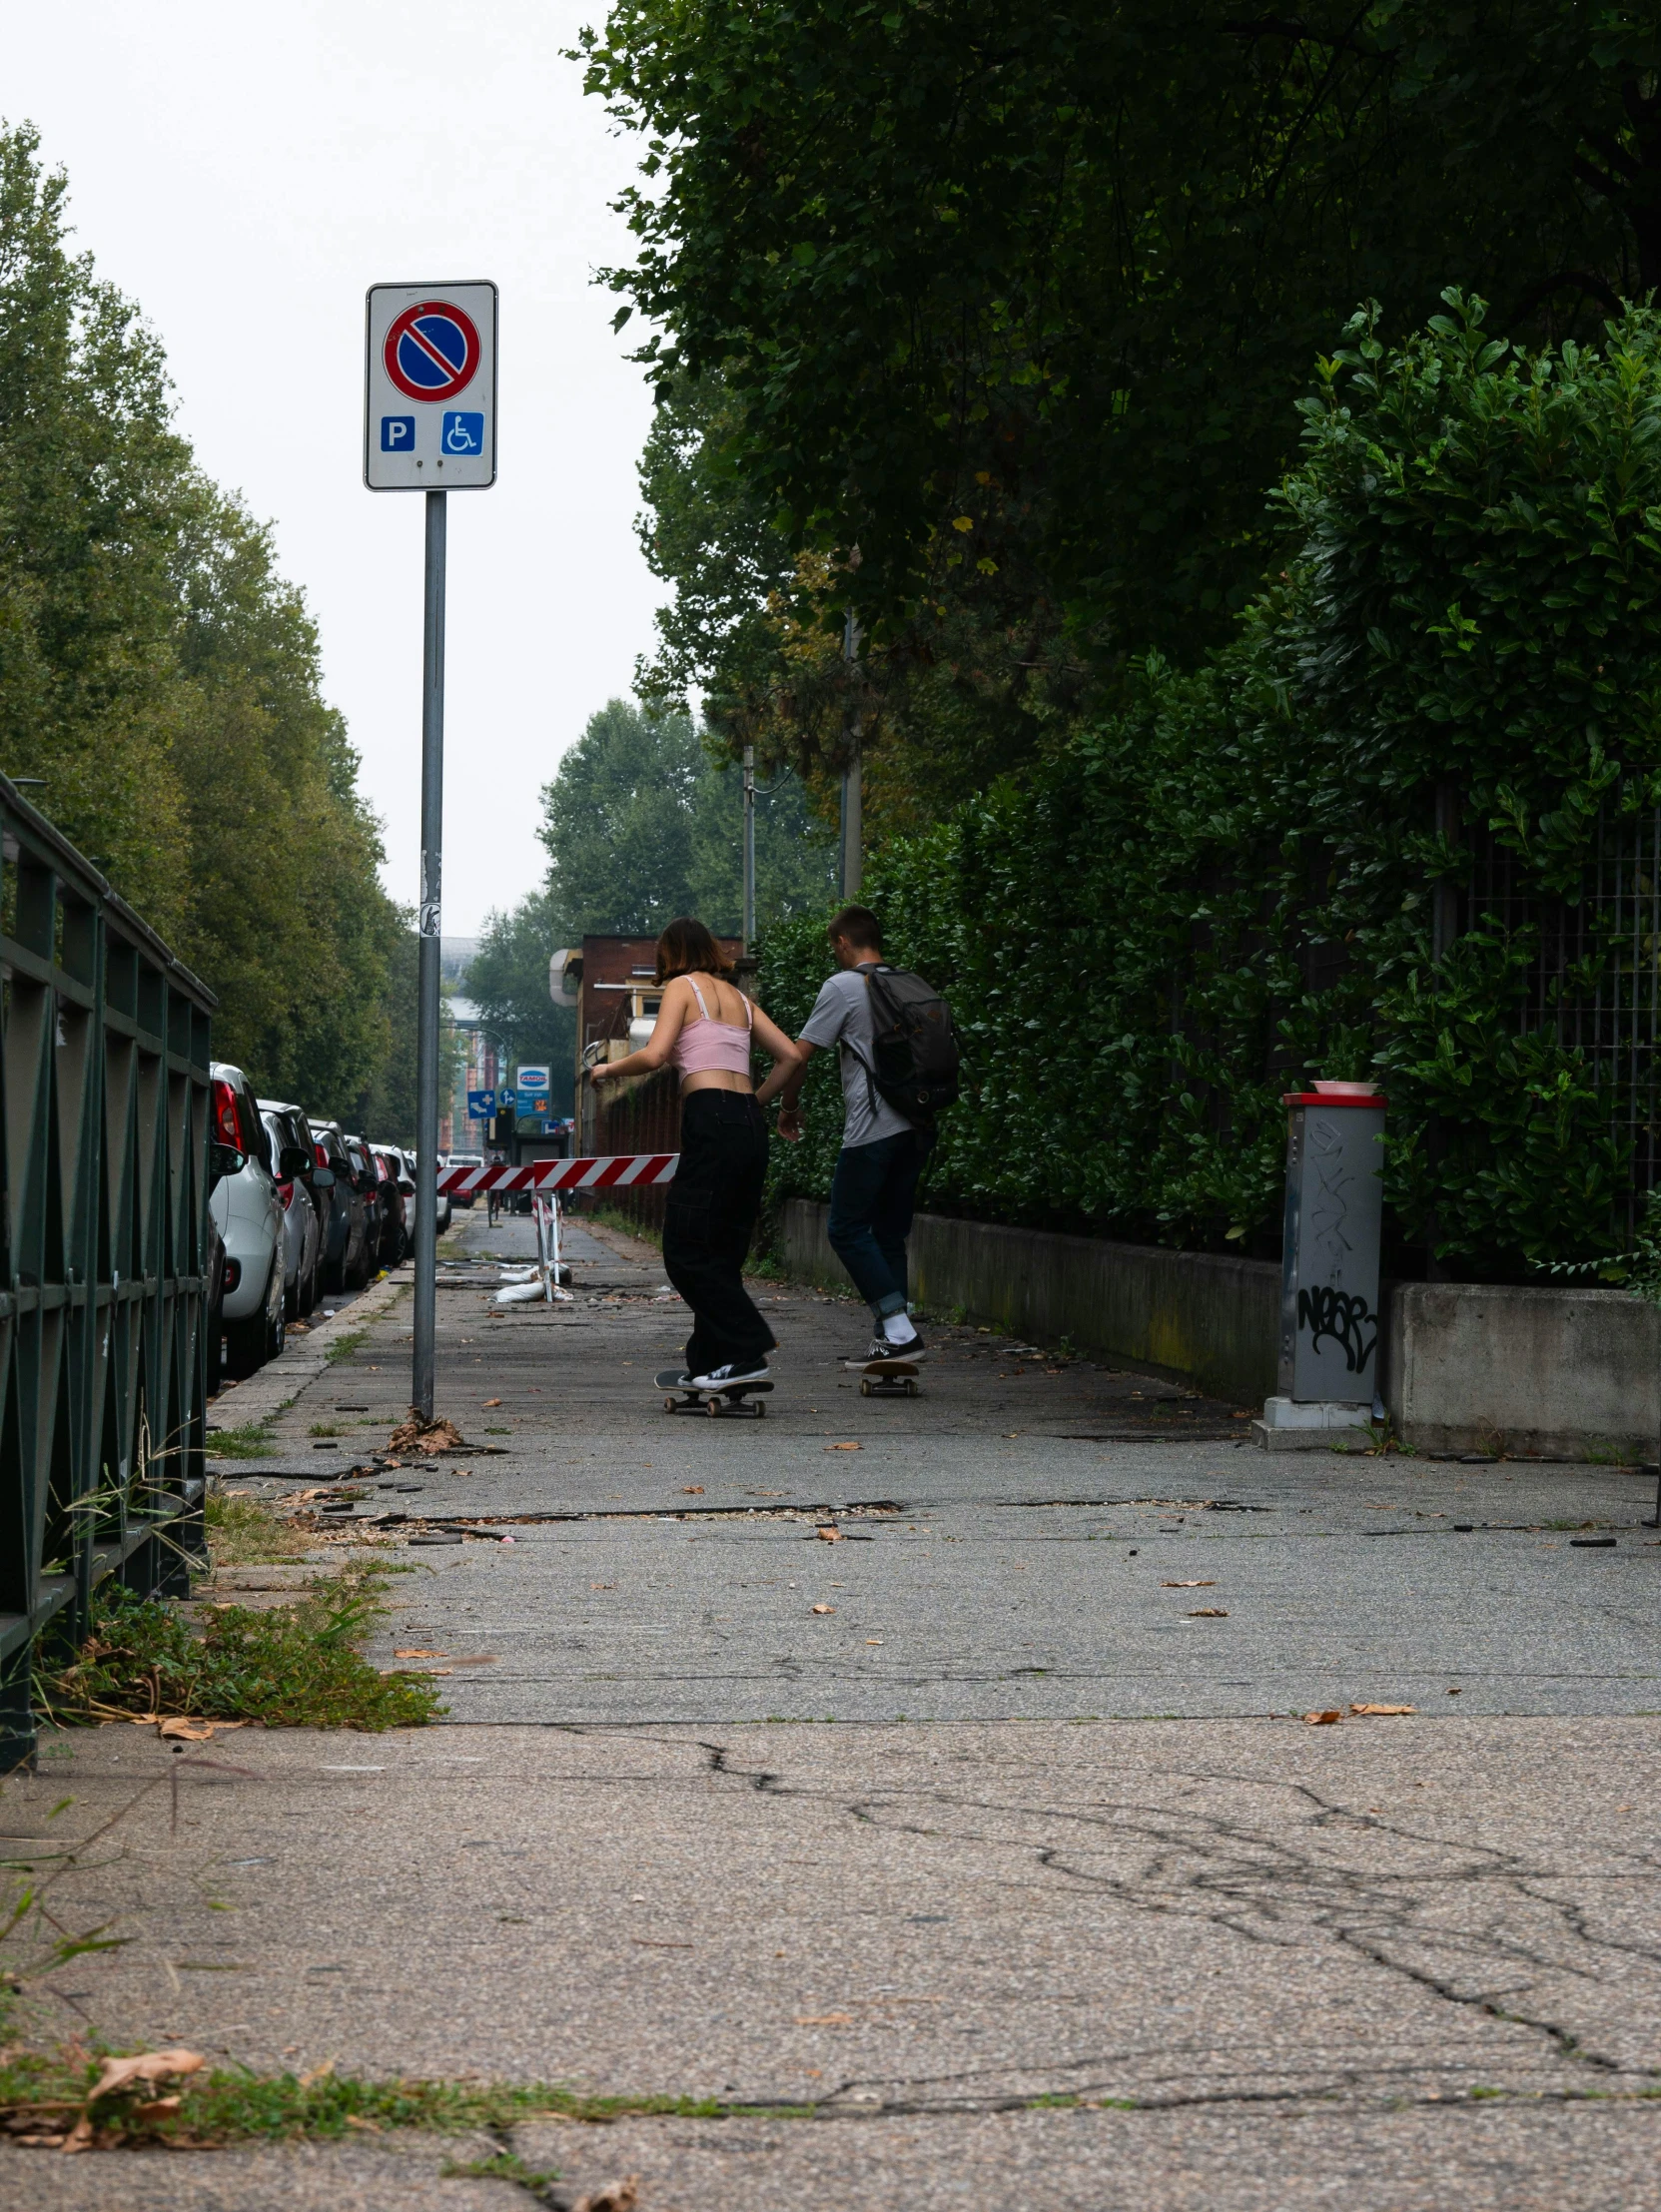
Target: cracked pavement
(1392,1962)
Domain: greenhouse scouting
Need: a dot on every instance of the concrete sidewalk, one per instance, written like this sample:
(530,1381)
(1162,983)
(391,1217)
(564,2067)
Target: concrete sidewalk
(1392,1962)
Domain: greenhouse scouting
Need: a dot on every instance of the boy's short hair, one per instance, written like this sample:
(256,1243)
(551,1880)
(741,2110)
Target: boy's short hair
(859,925)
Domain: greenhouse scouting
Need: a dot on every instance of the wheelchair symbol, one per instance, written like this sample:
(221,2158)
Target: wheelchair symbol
(462,433)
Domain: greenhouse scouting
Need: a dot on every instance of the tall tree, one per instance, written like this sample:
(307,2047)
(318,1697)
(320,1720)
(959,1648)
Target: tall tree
(162,681)
(995,279)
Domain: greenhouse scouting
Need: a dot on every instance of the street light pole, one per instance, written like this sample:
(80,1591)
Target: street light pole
(749,846)
(427,1019)
(853,836)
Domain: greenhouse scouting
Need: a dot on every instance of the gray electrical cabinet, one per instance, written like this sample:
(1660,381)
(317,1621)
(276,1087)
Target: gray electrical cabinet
(1329,1266)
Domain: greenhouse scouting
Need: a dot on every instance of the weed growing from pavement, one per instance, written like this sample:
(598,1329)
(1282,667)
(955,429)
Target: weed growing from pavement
(243,1532)
(252,1441)
(292,1666)
(344,1347)
(41,2091)
(507,2165)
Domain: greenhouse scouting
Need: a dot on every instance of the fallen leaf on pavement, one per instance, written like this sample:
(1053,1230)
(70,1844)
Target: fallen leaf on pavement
(194,1732)
(1323,1719)
(614,2196)
(493,1401)
(1383,1708)
(1189,1585)
(873,1639)
(829,1536)
(149,2066)
(692,1490)
(413,1653)
(1208,1612)
(824,1609)
(159,2108)
(475,1659)
(842,1447)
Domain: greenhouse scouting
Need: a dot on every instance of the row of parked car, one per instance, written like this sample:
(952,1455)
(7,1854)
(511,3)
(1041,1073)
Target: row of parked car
(303,1210)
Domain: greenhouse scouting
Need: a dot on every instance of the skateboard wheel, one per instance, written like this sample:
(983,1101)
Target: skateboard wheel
(910,1387)
(668,1405)
(713,1407)
(865,1386)
(760,1410)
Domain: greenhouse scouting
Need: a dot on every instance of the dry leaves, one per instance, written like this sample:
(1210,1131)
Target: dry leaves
(1323,1720)
(824,1609)
(829,1536)
(1209,1612)
(493,1401)
(691,1489)
(1382,1709)
(149,2066)
(419,1435)
(74,2130)
(183,1726)
(842,1447)
(613,2196)
(414,1652)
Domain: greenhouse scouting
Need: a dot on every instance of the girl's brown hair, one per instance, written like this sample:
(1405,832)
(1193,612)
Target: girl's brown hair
(686,948)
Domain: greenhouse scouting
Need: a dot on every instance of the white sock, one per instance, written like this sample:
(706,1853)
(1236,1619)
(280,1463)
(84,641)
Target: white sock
(898,1329)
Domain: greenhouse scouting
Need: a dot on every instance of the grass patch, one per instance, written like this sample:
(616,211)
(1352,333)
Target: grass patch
(243,1532)
(507,2165)
(326,1428)
(344,1347)
(614,1217)
(235,2106)
(252,1441)
(299,1665)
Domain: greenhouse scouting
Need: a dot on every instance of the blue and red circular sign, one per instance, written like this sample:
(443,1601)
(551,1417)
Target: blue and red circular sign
(431,351)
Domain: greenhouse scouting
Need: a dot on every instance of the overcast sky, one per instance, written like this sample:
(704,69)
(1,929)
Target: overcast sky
(244,171)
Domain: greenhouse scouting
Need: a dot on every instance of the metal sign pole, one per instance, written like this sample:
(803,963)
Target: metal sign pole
(427,1035)
(853,828)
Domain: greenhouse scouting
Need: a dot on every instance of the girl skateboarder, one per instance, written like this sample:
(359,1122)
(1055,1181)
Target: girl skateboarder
(708,1027)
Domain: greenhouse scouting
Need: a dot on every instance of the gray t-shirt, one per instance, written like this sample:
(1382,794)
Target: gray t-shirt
(842,1015)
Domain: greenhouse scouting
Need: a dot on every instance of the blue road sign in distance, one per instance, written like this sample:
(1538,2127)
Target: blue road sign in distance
(481,1104)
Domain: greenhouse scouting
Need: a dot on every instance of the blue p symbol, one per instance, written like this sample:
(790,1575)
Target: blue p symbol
(398,433)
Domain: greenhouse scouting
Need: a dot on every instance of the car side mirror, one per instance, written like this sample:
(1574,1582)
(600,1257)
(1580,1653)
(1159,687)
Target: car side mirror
(407,1187)
(223,1160)
(323,1178)
(293,1161)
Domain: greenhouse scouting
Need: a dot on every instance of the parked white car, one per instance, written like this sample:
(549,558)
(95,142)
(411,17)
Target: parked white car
(249,1216)
(291,1150)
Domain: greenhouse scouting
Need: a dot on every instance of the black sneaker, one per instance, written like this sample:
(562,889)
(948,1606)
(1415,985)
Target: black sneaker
(719,1378)
(881,1348)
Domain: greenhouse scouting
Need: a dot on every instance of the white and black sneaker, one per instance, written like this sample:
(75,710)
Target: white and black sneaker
(718,1377)
(881,1348)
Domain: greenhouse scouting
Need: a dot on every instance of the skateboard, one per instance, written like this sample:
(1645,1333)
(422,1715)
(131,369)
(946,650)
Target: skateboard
(725,1401)
(885,1378)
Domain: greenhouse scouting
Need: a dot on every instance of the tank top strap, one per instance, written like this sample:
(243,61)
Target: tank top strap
(749,1009)
(698,994)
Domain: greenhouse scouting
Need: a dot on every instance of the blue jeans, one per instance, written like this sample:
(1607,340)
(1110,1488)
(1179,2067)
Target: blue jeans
(872,1196)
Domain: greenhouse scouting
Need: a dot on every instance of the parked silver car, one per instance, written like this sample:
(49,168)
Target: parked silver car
(249,1215)
(290,1146)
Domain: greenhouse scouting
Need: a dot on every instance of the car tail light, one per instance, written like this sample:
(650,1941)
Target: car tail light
(284,1190)
(322,1152)
(226,1127)
(233,1273)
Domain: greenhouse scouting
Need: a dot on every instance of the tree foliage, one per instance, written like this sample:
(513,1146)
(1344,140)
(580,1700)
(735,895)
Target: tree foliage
(1016,302)
(1224,886)
(160,679)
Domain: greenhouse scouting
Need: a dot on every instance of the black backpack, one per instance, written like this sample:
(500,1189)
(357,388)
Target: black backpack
(916,1051)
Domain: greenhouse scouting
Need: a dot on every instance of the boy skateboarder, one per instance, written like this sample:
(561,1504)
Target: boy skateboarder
(874,1191)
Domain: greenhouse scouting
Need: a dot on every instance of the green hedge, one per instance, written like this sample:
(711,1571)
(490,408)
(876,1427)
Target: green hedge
(1225,887)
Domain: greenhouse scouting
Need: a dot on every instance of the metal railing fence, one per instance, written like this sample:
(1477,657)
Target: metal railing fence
(103,1099)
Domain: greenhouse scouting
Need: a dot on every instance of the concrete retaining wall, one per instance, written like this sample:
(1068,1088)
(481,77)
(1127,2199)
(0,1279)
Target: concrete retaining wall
(1188,1313)
(1556,1373)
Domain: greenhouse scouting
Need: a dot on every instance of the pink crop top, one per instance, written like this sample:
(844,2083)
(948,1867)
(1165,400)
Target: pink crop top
(708,1043)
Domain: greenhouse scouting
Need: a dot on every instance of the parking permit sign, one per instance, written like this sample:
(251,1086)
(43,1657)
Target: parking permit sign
(429,385)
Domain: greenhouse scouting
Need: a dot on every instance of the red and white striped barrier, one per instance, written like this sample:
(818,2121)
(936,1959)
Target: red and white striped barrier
(618,1172)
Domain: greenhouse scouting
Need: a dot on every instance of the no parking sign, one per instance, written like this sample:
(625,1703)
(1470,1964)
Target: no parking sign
(430,383)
